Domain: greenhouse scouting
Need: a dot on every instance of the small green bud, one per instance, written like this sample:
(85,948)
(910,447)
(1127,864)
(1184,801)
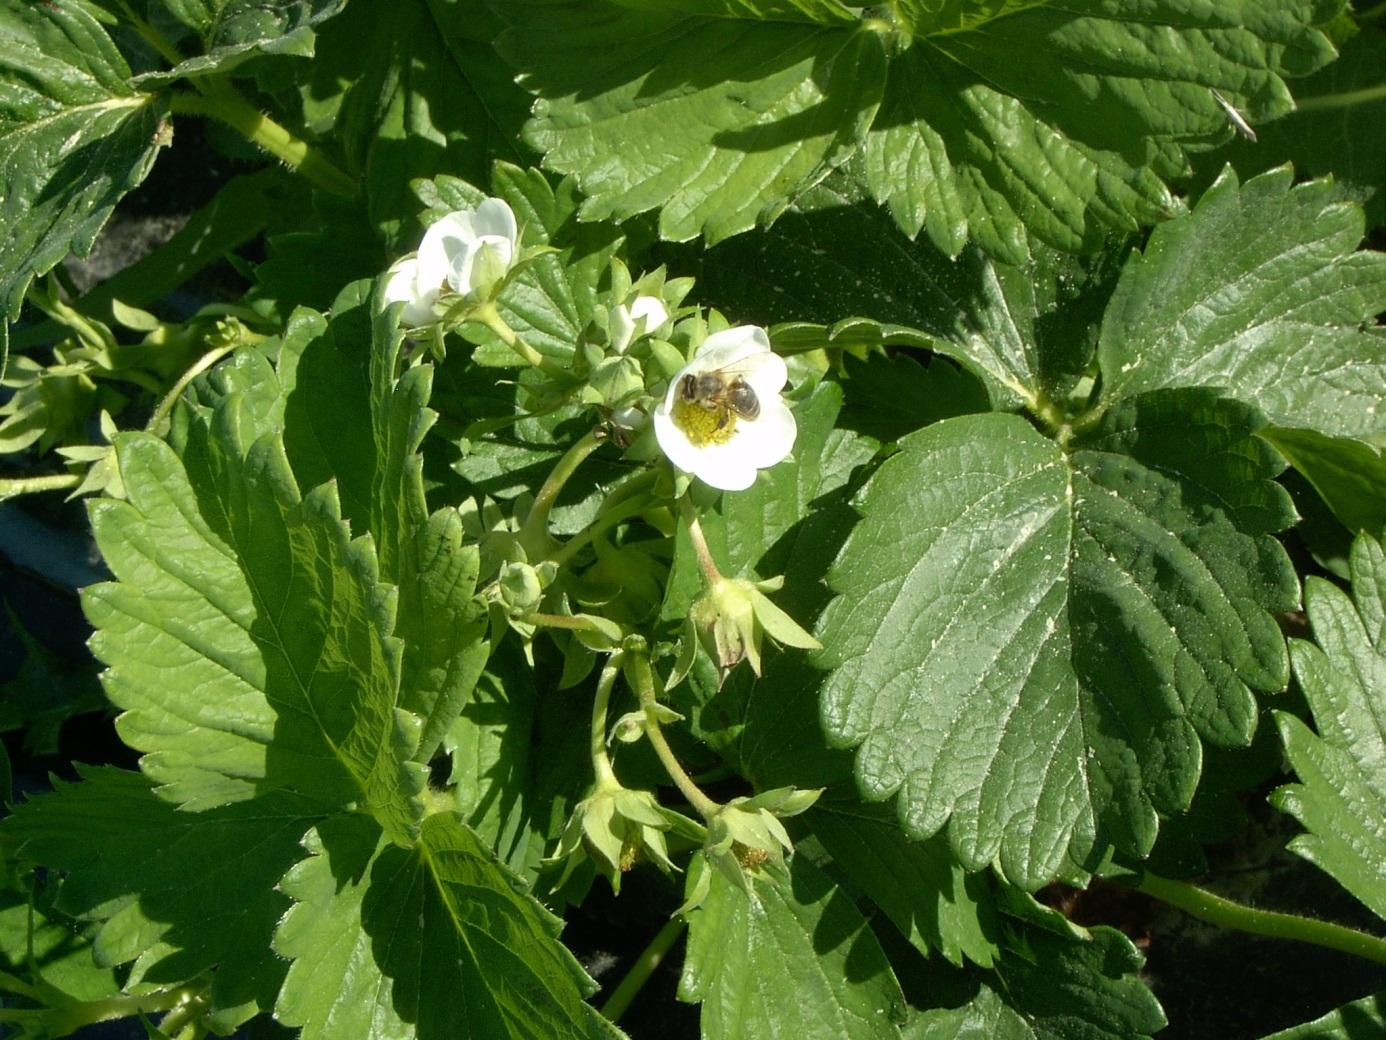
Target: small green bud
(615,828)
(520,588)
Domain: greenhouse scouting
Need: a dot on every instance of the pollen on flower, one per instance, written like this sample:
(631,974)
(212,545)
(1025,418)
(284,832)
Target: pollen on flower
(703,426)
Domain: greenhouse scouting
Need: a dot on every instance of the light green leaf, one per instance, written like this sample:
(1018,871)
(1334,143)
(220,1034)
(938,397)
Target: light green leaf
(1348,474)
(1259,291)
(438,941)
(791,959)
(1363,1019)
(229,32)
(74,138)
(1341,796)
(177,893)
(1030,642)
(995,123)
(231,584)
(717,122)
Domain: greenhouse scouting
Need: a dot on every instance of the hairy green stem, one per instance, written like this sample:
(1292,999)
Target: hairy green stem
(699,540)
(650,958)
(15,486)
(567,622)
(536,524)
(642,678)
(1217,910)
(233,110)
(601,761)
(487,315)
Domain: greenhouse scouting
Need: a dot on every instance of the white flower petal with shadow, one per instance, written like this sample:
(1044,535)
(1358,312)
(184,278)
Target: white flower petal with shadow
(466,252)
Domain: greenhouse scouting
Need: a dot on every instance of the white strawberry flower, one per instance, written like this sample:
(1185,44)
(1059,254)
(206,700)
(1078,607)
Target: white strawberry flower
(466,252)
(717,430)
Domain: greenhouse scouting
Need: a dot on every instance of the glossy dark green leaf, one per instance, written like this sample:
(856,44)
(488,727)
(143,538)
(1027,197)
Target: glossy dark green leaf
(996,123)
(1350,475)
(717,122)
(1262,291)
(74,138)
(1030,642)
(225,33)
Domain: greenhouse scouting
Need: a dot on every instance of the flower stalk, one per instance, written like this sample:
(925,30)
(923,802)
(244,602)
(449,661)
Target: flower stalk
(642,678)
(536,524)
(487,315)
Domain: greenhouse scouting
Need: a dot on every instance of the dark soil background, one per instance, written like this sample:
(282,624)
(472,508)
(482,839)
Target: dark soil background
(1212,983)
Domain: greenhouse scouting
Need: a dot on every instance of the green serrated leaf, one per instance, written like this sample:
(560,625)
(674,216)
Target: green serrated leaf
(431,942)
(921,888)
(177,893)
(229,32)
(1363,1019)
(829,978)
(1349,475)
(997,123)
(1029,643)
(717,122)
(1069,985)
(1341,796)
(823,12)
(413,89)
(1260,291)
(231,584)
(74,138)
(1018,329)
(1335,129)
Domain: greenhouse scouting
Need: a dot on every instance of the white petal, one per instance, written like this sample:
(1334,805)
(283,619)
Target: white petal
(652,310)
(401,286)
(441,243)
(622,327)
(767,374)
(770,437)
(674,443)
(495,217)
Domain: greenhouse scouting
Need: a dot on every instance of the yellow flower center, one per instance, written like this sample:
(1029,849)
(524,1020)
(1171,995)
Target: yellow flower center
(703,426)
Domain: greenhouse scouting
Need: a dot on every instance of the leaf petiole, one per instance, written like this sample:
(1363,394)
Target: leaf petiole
(650,958)
(225,104)
(1215,909)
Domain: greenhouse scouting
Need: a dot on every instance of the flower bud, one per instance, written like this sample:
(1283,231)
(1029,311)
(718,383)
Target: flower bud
(520,588)
(732,616)
(616,827)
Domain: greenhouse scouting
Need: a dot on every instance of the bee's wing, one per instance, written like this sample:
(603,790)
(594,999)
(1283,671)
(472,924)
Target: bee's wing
(737,368)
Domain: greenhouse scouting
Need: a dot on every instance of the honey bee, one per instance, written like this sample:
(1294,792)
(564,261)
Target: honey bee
(721,391)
